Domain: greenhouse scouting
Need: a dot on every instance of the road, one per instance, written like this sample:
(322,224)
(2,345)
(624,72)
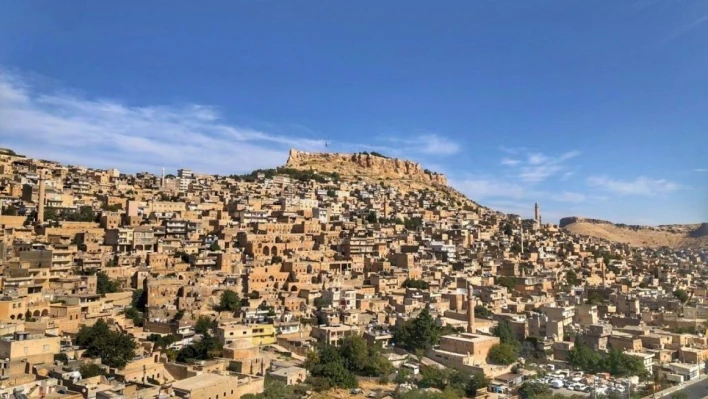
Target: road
(698,390)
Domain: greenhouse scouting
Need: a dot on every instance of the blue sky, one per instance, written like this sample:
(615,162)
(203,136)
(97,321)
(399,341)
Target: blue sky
(592,108)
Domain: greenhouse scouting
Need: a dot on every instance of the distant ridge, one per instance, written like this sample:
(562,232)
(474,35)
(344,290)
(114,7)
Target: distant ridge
(675,236)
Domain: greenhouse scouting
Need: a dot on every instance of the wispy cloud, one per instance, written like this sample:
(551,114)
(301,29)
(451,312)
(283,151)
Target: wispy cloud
(490,187)
(520,176)
(539,167)
(567,196)
(106,133)
(510,162)
(684,29)
(427,144)
(701,170)
(640,186)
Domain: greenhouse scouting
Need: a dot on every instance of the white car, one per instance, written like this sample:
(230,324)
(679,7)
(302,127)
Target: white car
(579,387)
(557,384)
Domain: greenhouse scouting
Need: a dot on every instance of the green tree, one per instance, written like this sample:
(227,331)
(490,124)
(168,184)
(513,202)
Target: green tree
(533,389)
(419,284)
(336,374)
(481,311)
(681,295)
(506,335)
(274,389)
(595,298)
(110,208)
(229,302)
(420,333)
(434,377)
(582,356)
(162,341)
(502,354)
(89,370)
(62,357)
(504,281)
(402,376)
(9,210)
(571,278)
(371,217)
(477,382)
(331,366)
(321,302)
(203,324)
(139,299)
(508,230)
(214,246)
(413,223)
(355,354)
(621,365)
(376,363)
(206,348)
(104,284)
(114,348)
(136,316)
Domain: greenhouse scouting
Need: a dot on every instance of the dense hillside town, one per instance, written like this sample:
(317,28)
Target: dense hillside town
(305,282)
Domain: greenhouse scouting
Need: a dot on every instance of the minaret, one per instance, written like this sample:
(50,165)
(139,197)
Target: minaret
(162,181)
(470,309)
(536,214)
(604,278)
(41,196)
(522,238)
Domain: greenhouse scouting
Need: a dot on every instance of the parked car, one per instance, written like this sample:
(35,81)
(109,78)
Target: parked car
(579,387)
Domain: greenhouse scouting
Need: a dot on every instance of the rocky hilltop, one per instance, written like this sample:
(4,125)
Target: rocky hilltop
(364,164)
(674,236)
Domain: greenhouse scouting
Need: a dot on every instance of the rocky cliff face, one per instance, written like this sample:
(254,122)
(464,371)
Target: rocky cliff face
(373,164)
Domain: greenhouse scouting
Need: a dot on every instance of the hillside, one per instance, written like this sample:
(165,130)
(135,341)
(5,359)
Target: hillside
(403,174)
(674,236)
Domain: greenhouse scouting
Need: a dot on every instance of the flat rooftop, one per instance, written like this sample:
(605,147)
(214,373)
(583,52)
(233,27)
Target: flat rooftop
(201,381)
(467,337)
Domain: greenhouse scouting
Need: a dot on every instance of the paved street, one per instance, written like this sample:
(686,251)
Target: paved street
(698,390)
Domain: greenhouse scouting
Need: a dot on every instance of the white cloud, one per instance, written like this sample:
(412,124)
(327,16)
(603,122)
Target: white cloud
(639,186)
(539,167)
(106,133)
(426,144)
(510,162)
(523,172)
(483,188)
(566,196)
(436,145)
(537,159)
(536,167)
(701,170)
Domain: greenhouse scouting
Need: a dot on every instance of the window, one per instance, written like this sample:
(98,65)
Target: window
(45,348)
